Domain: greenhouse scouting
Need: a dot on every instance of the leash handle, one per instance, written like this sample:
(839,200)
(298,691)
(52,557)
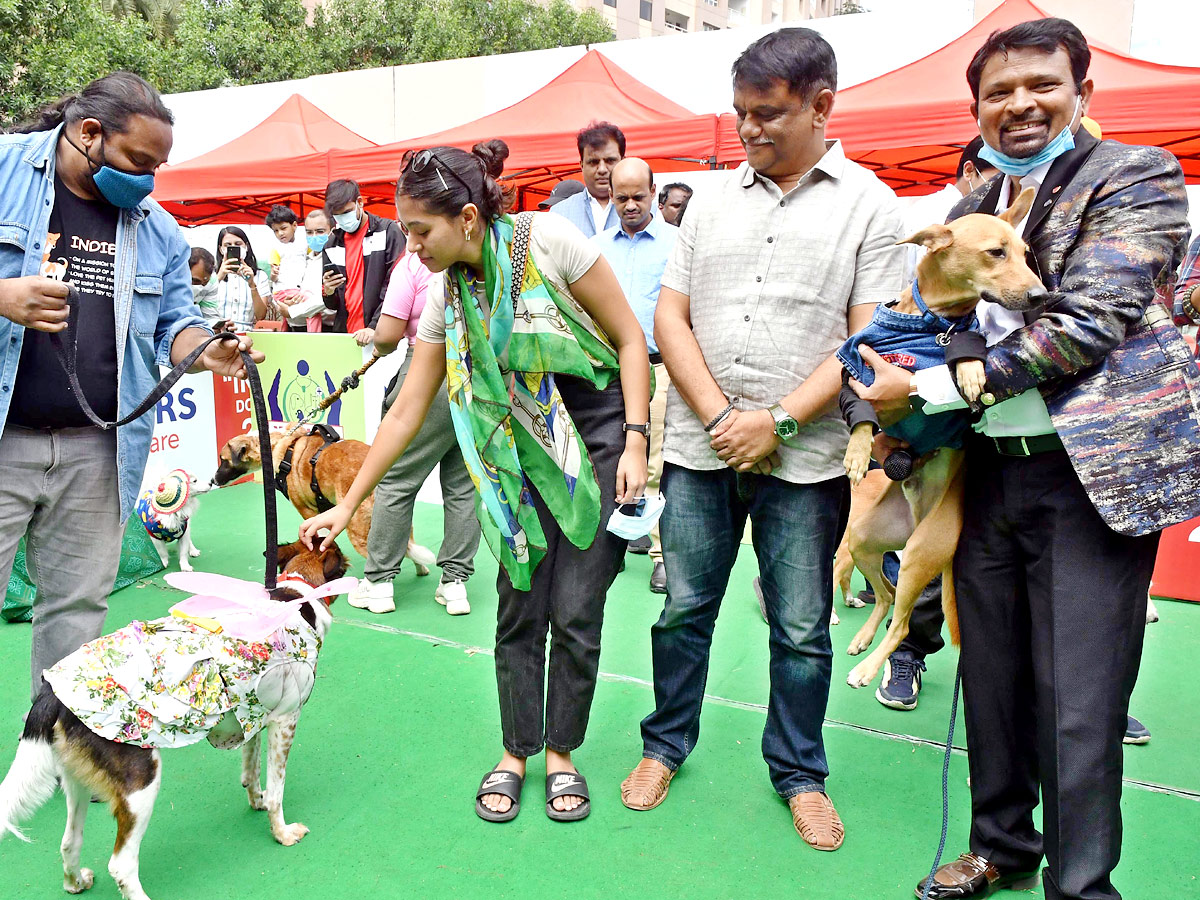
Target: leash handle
(66,348)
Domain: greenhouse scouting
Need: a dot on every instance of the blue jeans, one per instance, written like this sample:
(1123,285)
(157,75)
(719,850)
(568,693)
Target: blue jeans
(796,531)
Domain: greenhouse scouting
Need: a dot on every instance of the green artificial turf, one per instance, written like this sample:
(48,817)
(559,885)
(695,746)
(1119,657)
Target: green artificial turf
(404,722)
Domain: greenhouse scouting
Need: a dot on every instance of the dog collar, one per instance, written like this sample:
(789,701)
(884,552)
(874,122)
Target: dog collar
(963,323)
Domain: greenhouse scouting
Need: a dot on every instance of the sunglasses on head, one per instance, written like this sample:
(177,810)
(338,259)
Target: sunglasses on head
(417,161)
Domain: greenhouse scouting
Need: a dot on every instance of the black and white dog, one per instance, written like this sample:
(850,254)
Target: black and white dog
(57,744)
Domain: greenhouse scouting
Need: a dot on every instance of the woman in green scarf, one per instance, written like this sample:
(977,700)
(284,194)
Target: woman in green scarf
(549,387)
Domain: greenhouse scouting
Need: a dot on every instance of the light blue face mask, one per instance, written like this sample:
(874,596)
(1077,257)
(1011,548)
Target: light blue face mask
(317,242)
(1011,165)
(640,521)
(348,221)
(123,189)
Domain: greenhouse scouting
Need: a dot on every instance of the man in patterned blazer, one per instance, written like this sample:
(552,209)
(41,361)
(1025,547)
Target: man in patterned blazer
(1088,446)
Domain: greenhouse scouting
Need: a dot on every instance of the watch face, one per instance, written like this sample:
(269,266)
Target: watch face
(787,428)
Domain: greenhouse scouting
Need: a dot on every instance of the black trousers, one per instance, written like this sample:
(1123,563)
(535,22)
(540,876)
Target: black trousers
(566,599)
(1052,605)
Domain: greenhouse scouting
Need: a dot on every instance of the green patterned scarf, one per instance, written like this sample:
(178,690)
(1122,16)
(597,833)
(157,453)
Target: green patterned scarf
(509,418)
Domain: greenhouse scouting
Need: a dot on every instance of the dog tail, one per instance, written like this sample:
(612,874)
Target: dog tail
(420,554)
(31,780)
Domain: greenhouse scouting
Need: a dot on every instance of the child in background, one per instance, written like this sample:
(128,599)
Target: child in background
(204,286)
(288,264)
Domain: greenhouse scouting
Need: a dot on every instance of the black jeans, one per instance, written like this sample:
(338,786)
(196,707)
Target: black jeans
(566,598)
(1052,606)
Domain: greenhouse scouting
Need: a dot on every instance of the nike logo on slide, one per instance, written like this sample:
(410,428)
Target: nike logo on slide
(562,781)
(495,778)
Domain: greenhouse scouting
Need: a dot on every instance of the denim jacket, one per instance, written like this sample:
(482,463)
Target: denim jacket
(153,289)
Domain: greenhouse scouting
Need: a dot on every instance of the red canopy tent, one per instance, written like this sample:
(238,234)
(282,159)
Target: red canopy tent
(540,132)
(283,159)
(910,125)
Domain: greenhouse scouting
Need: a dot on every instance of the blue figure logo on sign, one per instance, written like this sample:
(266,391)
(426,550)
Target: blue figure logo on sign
(301,396)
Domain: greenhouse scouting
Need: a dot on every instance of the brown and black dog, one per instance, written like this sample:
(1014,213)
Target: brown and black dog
(56,743)
(970,257)
(336,467)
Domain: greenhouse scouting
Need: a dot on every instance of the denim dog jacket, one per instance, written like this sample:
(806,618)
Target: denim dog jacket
(911,342)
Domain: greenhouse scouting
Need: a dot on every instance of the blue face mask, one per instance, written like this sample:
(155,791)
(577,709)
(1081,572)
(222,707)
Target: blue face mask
(317,242)
(123,189)
(1011,165)
(348,221)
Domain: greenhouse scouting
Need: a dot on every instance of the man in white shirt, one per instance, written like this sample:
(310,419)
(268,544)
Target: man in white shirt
(771,272)
(601,147)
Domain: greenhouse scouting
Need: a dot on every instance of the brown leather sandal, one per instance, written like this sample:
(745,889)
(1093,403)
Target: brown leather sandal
(816,820)
(649,780)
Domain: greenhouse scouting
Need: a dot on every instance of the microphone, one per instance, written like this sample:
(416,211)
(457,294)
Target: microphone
(899,465)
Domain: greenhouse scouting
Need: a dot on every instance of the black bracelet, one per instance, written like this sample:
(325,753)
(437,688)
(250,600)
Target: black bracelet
(719,418)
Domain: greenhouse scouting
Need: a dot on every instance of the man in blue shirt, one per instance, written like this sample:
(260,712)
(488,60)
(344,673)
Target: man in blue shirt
(601,147)
(76,209)
(638,249)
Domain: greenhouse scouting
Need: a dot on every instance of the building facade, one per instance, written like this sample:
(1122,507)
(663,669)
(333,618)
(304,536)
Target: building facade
(647,18)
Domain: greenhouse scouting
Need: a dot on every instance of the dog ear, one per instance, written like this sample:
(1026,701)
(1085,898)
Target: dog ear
(288,551)
(933,238)
(334,563)
(237,454)
(1020,209)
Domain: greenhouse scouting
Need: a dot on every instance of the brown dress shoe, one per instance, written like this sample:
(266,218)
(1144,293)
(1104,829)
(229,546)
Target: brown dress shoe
(968,876)
(816,821)
(646,786)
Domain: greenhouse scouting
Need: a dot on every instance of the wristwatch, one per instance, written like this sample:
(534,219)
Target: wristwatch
(644,429)
(785,426)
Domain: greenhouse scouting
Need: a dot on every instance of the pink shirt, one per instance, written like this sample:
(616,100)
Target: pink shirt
(405,297)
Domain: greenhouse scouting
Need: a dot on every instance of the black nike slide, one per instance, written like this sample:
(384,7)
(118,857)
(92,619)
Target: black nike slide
(500,781)
(567,784)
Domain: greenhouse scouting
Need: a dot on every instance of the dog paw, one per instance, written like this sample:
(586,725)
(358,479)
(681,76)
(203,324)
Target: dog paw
(184,565)
(421,569)
(77,884)
(194,552)
(971,378)
(860,676)
(853,602)
(858,644)
(291,834)
(833,618)
(256,800)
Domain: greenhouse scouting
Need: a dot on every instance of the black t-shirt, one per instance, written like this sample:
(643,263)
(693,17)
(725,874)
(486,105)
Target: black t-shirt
(81,248)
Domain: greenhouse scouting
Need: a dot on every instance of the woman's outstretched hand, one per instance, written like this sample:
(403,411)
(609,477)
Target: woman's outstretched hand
(335,520)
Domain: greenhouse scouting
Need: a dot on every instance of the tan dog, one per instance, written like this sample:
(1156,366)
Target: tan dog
(337,465)
(975,256)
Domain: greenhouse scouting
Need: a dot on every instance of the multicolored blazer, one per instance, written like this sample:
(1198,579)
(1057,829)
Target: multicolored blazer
(1107,232)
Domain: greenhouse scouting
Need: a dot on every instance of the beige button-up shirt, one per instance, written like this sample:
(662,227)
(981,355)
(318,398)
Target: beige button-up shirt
(771,278)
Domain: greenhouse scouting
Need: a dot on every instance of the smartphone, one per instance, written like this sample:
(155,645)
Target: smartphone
(331,267)
(233,253)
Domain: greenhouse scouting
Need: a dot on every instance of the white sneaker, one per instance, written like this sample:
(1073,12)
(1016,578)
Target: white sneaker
(376,598)
(453,596)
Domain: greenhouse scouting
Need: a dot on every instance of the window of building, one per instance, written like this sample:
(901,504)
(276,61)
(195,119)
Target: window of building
(647,10)
(709,26)
(675,21)
(710,2)
(611,3)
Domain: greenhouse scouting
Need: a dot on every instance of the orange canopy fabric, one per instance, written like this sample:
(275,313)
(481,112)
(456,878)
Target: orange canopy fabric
(283,159)
(540,132)
(910,125)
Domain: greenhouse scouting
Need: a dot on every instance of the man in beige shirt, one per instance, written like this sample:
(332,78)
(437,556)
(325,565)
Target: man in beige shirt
(770,274)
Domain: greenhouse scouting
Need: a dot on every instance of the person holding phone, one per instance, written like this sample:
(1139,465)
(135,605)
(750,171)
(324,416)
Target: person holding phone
(242,289)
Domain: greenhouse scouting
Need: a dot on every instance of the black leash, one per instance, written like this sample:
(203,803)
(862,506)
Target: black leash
(66,347)
(937,860)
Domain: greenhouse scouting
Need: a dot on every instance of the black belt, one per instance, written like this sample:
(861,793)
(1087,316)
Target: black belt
(1026,446)
(656,359)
